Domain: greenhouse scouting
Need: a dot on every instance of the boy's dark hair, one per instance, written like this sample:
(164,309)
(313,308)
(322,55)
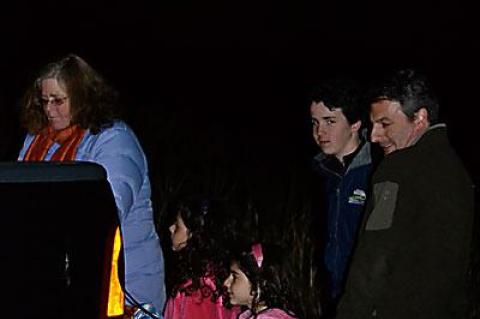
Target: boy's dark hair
(344,93)
(411,89)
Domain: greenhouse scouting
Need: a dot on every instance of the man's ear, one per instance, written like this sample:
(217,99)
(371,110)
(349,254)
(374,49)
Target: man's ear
(355,127)
(421,117)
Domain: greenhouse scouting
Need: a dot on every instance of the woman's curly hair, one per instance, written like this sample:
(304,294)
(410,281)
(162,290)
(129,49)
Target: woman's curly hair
(271,280)
(92,100)
(204,256)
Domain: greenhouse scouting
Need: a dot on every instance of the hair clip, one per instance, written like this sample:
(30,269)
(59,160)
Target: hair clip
(258,254)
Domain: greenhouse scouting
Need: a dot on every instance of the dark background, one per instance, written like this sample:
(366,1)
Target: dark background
(217,91)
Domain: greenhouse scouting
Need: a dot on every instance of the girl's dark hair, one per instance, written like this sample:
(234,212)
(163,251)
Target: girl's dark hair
(92,100)
(204,255)
(271,280)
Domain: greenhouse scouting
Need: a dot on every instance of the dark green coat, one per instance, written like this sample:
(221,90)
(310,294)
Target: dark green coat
(412,255)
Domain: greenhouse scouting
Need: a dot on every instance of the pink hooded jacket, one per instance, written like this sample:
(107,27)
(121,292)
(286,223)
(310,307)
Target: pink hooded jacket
(198,306)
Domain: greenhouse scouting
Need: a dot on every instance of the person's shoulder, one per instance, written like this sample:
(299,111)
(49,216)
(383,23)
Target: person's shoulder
(413,162)
(363,156)
(118,129)
(275,313)
(319,163)
(432,144)
(246,314)
(117,135)
(396,165)
(117,126)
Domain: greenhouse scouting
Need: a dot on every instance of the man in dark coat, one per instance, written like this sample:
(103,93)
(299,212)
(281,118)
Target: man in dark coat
(413,250)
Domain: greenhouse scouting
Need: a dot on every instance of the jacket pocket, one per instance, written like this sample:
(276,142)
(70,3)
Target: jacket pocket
(385,200)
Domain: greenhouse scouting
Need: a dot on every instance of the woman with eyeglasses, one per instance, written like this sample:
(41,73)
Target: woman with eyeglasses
(70,115)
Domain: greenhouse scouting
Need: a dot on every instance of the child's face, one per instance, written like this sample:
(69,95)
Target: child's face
(239,287)
(179,234)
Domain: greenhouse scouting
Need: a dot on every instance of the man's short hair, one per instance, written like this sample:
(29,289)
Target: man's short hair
(411,89)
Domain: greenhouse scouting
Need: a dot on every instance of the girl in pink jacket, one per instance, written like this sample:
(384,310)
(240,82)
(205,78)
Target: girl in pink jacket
(199,265)
(259,282)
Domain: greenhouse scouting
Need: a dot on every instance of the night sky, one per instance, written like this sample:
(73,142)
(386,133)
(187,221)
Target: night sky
(224,85)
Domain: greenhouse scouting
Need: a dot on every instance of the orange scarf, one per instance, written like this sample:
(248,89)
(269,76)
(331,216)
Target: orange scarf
(68,138)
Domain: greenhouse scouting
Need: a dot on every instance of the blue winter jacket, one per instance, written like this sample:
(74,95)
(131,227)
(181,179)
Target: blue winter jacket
(119,152)
(344,198)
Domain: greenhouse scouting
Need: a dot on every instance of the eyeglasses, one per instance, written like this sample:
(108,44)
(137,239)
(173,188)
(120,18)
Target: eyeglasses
(54,100)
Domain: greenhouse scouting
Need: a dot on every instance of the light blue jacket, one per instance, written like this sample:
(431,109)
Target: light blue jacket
(119,152)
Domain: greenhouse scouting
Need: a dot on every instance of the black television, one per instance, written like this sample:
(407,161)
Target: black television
(58,221)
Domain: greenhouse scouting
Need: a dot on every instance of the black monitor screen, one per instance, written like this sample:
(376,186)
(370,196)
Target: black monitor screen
(57,224)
